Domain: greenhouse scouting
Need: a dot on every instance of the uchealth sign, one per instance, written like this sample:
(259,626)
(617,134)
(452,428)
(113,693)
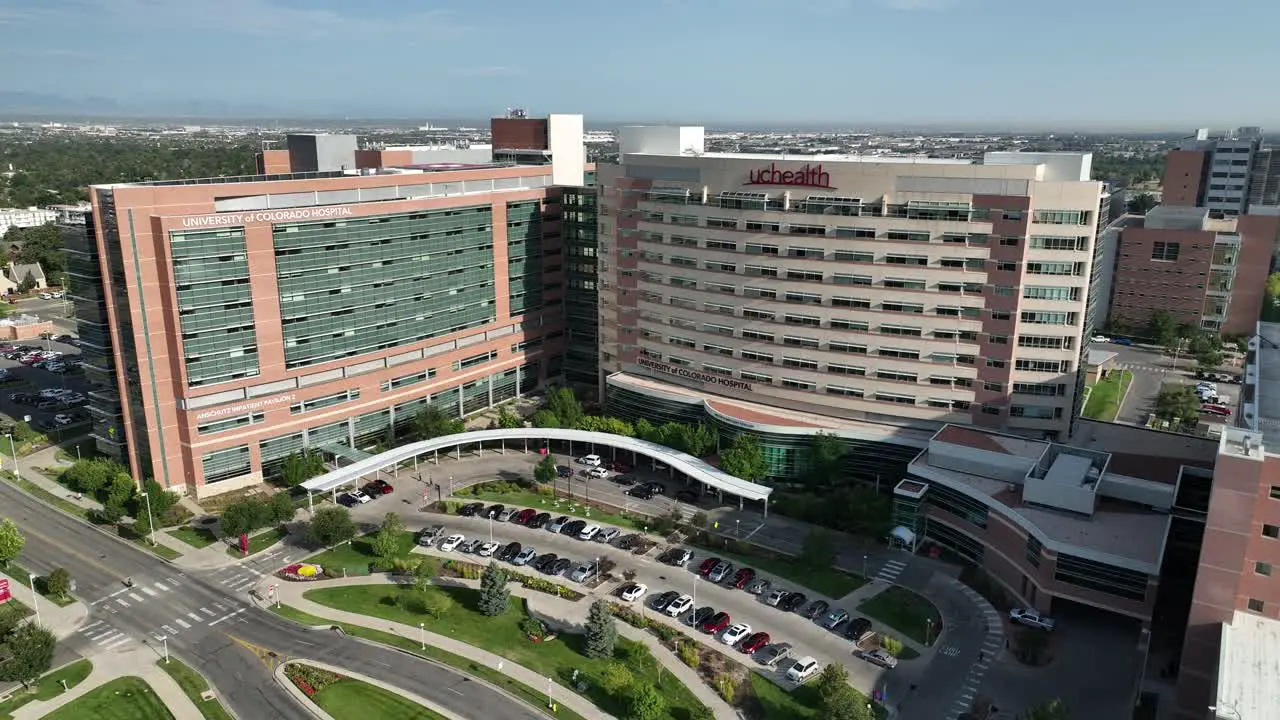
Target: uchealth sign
(808,176)
(273,216)
(691,374)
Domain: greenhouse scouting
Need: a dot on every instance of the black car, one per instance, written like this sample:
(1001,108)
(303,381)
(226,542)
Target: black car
(564,471)
(857,627)
(345,500)
(559,566)
(701,614)
(643,492)
(688,496)
(470,509)
(623,479)
(661,602)
(494,511)
(509,551)
(793,602)
(573,528)
(816,609)
(543,561)
(656,488)
(537,521)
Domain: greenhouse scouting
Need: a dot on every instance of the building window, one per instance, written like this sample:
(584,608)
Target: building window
(1275,492)
(1271,531)
(1093,575)
(1165,251)
(1262,568)
(1256,605)
(1033,551)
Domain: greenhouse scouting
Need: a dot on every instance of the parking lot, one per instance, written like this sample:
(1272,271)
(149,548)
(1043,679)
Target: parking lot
(23,379)
(1151,370)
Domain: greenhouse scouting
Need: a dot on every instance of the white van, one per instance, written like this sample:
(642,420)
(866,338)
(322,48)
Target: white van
(592,460)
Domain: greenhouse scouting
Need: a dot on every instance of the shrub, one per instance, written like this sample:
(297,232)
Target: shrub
(727,687)
(689,654)
(310,680)
(176,514)
(891,645)
(629,616)
(664,633)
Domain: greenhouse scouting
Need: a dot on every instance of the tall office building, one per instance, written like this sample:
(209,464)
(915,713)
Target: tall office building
(233,321)
(875,297)
(1204,253)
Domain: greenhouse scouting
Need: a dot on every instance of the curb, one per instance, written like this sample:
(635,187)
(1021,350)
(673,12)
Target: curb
(320,713)
(297,694)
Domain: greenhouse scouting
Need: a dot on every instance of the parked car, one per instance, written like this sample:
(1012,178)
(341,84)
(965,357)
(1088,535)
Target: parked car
(793,602)
(720,571)
(1031,618)
(524,557)
(378,487)
(543,562)
(584,571)
(697,616)
(759,586)
(1100,339)
(63,419)
(735,633)
(607,535)
(505,515)
(470,546)
(877,657)
(741,578)
(687,496)
(573,528)
(663,601)
(773,655)
(359,496)
(494,511)
(835,619)
(678,557)
(632,591)
(487,549)
(539,520)
(592,460)
(623,479)
(558,524)
(564,471)
(559,566)
(598,472)
(775,598)
(524,516)
(451,542)
(429,536)
(754,643)
(857,629)
(802,669)
(589,532)
(715,623)
(816,609)
(679,606)
(642,492)
(509,551)
(707,565)
(656,488)
(470,509)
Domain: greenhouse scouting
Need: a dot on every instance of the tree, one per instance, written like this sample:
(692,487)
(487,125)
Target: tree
(422,573)
(1162,329)
(121,489)
(91,475)
(508,419)
(242,517)
(1142,203)
(819,550)
(1054,709)
(58,582)
(330,526)
(26,653)
(27,284)
(432,422)
(281,507)
(645,703)
(11,542)
(616,679)
(1177,403)
(646,431)
(435,602)
(612,425)
(563,403)
(833,679)
(839,700)
(494,595)
(602,634)
(745,459)
(701,440)
(826,458)
(162,501)
(301,466)
(545,471)
(386,544)
(544,418)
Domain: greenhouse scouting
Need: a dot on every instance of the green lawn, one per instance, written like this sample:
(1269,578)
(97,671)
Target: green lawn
(547,503)
(259,542)
(802,703)
(356,555)
(906,612)
(19,573)
(47,687)
(831,582)
(1105,396)
(127,532)
(126,698)
(196,537)
(193,683)
(535,697)
(354,699)
(502,636)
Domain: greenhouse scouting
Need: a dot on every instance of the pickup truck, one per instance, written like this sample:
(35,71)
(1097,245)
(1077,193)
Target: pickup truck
(1031,618)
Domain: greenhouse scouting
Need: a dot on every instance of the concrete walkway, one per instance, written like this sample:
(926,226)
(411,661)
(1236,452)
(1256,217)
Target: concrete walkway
(140,663)
(61,621)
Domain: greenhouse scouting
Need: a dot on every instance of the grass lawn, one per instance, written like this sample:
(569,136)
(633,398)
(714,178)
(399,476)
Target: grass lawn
(1105,396)
(502,636)
(19,573)
(802,703)
(906,612)
(536,697)
(126,698)
(546,503)
(192,683)
(831,582)
(143,541)
(356,555)
(355,699)
(196,537)
(47,687)
(259,542)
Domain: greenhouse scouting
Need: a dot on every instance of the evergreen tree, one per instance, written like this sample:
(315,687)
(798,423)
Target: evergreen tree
(602,634)
(494,596)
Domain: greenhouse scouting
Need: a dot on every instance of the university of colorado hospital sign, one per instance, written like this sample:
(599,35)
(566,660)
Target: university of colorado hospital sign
(687,373)
(291,215)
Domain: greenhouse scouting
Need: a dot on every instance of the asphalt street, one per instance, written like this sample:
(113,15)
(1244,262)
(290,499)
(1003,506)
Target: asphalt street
(214,628)
(1152,369)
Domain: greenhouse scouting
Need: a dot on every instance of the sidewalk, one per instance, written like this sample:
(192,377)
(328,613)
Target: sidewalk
(140,663)
(62,621)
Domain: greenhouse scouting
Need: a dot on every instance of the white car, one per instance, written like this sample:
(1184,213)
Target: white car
(735,634)
(63,419)
(1031,618)
(633,591)
(679,606)
(607,535)
(1100,339)
(802,669)
(877,657)
(56,295)
(592,460)
(598,472)
(589,532)
(524,557)
(46,296)
(776,596)
(359,496)
(488,549)
(451,542)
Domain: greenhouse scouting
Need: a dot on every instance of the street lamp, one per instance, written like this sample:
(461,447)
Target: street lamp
(422,634)
(928,631)
(864,566)
(35,600)
(549,703)
(13,450)
(151,523)
(165,640)
(490,527)
(695,593)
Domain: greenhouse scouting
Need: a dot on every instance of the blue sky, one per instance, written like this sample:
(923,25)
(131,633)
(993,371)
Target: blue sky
(994,63)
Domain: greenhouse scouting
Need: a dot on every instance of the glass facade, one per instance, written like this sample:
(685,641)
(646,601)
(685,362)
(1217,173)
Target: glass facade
(87,293)
(1120,582)
(215,305)
(582,318)
(524,255)
(358,286)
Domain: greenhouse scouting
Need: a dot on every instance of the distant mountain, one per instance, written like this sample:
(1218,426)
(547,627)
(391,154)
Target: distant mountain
(13,103)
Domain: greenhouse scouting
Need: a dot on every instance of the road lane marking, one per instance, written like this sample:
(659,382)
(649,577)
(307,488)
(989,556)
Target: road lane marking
(208,612)
(136,597)
(117,643)
(220,606)
(169,629)
(194,616)
(185,625)
(174,581)
(122,602)
(228,616)
(150,592)
(91,625)
(108,638)
(162,587)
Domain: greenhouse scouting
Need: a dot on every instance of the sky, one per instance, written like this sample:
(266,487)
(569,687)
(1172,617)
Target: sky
(1079,64)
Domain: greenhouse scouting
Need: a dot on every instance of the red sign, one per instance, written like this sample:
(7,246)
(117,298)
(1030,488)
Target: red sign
(808,176)
(4,590)
(244,543)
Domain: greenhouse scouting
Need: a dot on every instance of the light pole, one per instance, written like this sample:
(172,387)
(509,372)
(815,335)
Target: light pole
(165,640)
(151,523)
(490,527)
(928,631)
(549,703)
(695,594)
(737,524)
(422,635)
(864,566)
(17,471)
(35,599)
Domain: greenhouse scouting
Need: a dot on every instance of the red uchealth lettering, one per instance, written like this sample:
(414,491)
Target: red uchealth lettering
(807,176)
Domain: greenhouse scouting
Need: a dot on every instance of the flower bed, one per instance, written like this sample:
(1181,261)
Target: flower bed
(310,680)
(302,572)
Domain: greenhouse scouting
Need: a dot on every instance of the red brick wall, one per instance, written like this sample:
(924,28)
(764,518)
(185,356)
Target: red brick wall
(519,134)
(1184,172)
(1143,285)
(1258,235)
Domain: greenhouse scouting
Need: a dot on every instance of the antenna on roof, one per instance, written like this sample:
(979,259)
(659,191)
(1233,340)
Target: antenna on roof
(517,113)
(692,150)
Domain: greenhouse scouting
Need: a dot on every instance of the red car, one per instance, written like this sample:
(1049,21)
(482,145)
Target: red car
(705,568)
(523,517)
(715,623)
(754,642)
(619,466)
(741,578)
(378,487)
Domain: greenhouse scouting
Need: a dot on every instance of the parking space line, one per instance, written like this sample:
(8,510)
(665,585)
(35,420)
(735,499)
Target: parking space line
(182,623)
(122,602)
(135,597)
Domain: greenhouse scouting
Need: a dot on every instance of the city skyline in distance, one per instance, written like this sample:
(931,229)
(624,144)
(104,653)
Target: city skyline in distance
(817,64)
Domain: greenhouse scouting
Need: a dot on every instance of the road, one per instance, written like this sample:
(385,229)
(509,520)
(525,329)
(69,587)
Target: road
(1151,369)
(216,630)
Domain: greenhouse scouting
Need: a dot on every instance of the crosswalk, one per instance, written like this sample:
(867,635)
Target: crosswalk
(890,571)
(992,646)
(103,631)
(1143,367)
(243,576)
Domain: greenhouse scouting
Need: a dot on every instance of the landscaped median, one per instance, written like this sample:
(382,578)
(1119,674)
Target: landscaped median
(260,541)
(1106,396)
(905,611)
(346,698)
(195,687)
(47,687)
(125,698)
